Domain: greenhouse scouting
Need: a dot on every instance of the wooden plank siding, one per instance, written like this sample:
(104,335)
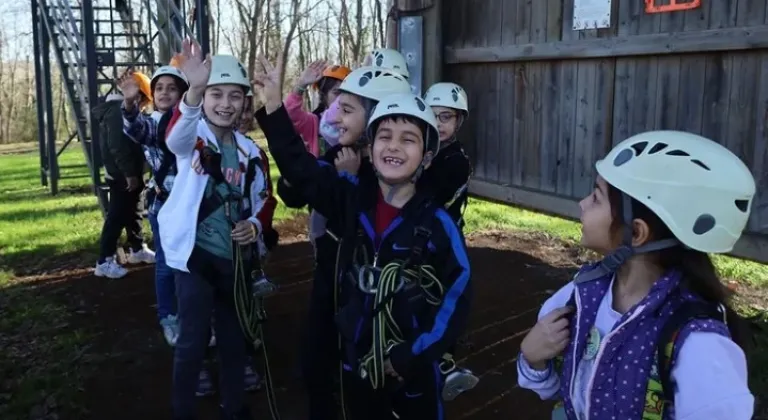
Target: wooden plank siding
(546,102)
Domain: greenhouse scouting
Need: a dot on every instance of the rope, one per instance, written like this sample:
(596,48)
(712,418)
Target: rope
(386,333)
(251,314)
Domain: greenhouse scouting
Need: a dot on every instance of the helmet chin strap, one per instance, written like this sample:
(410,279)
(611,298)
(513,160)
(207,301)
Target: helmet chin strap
(618,257)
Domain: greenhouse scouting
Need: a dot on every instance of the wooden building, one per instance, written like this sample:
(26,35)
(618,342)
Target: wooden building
(546,101)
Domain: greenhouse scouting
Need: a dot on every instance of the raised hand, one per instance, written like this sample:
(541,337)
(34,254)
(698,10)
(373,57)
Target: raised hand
(267,79)
(196,67)
(130,89)
(312,74)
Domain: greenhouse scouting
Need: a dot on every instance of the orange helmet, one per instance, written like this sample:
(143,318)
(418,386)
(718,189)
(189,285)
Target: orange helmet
(337,72)
(144,84)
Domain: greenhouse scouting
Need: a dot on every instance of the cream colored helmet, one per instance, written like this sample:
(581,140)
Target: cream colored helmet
(374,83)
(410,105)
(449,95)
(168,71)
(698,188)
(227,70)
(390,59)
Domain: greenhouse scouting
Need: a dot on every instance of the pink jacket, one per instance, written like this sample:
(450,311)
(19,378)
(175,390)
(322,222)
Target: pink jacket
(306,123)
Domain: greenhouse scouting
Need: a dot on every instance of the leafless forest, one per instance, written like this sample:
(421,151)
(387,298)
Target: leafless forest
(300,31)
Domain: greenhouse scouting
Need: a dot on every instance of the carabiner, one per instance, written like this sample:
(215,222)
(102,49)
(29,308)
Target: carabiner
(366,280)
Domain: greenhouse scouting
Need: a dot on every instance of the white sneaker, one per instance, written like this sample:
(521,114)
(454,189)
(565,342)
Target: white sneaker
(110,268)
(144,255)
(170,326)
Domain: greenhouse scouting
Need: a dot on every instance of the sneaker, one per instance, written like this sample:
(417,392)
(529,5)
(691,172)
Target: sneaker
(144,255)
(252,379)
(204,384)
(111,269)
(170,326)
(458,381)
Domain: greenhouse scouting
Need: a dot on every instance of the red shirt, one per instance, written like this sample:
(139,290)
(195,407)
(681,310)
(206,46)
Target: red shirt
(384,215)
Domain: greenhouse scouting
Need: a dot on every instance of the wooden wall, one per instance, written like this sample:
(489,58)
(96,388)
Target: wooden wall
(546,101)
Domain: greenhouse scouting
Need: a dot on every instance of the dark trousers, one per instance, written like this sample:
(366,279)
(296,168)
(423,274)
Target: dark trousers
(319,350)
(418,398)
(199,298)
(124,212)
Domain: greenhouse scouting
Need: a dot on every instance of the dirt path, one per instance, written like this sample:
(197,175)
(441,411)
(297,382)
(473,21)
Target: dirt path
(512,275)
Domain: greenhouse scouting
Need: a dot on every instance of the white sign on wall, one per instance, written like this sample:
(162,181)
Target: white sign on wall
(591,14)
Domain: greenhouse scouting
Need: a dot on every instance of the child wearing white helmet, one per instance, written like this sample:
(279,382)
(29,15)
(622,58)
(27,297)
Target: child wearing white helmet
(211,226)
(448,177)
(166,87)
(382,58)
(358,94)
(647,332)
(398,253)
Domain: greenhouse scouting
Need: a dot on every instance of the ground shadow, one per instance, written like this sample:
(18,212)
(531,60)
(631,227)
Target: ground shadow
(128,365)
(23,216)
(32,194)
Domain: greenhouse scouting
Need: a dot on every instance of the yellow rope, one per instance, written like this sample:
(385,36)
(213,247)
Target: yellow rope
(386,333)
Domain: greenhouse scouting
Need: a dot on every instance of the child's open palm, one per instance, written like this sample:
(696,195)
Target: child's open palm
(128,86)
(313,73)
(268,79)
(547,339)
(194,64)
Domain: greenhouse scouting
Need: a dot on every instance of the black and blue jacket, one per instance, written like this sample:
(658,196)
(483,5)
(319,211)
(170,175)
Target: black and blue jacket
(349,203)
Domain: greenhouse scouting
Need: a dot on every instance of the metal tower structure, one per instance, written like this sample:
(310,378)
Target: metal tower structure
(93,42)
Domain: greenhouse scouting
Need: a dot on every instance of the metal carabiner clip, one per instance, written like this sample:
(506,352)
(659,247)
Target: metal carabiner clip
(366,280)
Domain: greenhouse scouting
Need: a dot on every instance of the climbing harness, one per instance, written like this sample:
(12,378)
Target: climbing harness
(386,333)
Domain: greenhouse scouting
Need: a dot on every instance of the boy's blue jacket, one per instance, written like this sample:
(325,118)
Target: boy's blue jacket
(349,203)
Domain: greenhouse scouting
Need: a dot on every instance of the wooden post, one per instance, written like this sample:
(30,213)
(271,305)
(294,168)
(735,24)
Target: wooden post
(432,48)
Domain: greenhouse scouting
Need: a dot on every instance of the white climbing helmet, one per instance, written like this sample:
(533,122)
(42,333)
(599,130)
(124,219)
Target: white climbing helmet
(698,188)
(411,105)
(390,59)
(227,70)
(168,71)
(449,95)
(374,83)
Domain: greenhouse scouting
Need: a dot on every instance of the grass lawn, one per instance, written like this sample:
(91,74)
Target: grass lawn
(41,232)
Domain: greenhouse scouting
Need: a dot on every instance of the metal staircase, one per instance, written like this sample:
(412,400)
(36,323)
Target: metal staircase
(94,42)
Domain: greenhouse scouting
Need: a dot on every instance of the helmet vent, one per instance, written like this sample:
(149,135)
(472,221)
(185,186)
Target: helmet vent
(623,157)
(700,163)
(639,147)
(677,152)
(742,205)
(657,148)
(703,224)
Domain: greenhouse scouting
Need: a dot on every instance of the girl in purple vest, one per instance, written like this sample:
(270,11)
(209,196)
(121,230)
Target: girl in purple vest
(662,201)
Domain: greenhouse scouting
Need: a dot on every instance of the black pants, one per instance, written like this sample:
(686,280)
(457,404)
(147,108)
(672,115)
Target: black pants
(124,212)
(319,348)
(418,398)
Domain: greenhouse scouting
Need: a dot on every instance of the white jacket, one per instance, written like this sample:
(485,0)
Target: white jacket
(178,216)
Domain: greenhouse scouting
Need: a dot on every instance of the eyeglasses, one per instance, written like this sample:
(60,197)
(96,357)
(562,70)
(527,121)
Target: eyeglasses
(445,117)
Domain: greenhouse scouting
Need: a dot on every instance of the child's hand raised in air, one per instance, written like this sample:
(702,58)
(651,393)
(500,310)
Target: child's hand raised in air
(196,67)
(547,339)
(268,79)
(347,160)
(130,89)
(312,74)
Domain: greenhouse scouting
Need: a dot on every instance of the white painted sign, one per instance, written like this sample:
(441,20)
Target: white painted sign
(591,14)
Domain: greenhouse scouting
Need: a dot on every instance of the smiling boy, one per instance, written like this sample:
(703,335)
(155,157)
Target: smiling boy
(403,271)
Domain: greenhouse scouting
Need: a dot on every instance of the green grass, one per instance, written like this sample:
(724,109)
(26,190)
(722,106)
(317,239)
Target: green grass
(38,230)
(484,215)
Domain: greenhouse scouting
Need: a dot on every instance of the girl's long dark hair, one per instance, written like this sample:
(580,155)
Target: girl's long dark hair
(699,275)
